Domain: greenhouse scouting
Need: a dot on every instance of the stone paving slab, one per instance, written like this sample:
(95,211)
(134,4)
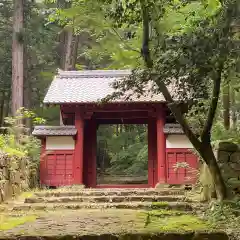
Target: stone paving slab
(111,198)
(108,192)
(122,205)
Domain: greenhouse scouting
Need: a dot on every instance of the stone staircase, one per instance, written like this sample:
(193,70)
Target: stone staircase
(106,198)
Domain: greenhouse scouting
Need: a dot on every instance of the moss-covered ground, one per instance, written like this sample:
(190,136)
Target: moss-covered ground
(175,222)
(90,221)
(8,222)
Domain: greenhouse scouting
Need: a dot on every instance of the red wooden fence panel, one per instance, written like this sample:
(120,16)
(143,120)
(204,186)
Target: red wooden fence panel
(57,168)
(181,175)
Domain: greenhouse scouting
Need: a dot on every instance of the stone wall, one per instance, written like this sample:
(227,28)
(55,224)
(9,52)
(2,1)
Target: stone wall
(228,155)
(14,176)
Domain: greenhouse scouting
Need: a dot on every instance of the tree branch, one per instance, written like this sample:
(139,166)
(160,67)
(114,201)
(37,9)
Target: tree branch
(206,133)
(178,115)
(123,40)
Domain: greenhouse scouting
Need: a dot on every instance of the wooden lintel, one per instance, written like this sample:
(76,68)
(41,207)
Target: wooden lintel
(122,121)
(88,115)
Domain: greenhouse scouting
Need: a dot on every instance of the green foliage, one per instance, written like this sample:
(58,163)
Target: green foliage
(103,45)
(224,213)
(125,147)
(16,142)
(219,133)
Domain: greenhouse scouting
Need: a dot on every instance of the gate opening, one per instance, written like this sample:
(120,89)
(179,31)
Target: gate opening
(122,154)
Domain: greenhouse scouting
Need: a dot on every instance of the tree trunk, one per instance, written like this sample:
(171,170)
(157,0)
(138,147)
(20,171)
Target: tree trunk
(8,104)
(75,51)
(17,57)
(27,98)
(226,106)
(233,102)
(203,147)
(219,184)
(68,43)
(70,49)
(2,107)
(60,49)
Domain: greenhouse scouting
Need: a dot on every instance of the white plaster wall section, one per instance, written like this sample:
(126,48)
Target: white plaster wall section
(60,143)
(178,141)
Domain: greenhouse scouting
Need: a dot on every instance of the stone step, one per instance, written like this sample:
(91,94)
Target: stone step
(181,206)
(108,199)
(108,192)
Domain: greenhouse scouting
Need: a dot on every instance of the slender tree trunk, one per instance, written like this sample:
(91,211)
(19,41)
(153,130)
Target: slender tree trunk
(27,100)
(60,49)
(2,107)
(233,102)
(226,106)
(7,107)
(68,43)
(75,51)
(68,49)
(17,56)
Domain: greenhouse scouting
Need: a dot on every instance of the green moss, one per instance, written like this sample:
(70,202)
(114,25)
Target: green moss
(7,223)
(176,223)
(160,204)
(164,212)
(26,195)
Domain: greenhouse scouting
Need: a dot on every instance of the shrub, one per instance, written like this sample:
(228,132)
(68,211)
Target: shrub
(17,142)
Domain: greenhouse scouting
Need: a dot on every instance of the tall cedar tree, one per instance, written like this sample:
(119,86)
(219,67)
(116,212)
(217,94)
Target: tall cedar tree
(17,56)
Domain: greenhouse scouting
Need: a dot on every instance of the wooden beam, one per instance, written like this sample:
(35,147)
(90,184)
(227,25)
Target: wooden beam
(122,121)
(112,107)
(121,115)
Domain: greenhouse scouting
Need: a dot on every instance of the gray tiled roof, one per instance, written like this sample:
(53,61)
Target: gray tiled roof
(89,87)
(172,129)
(54,131)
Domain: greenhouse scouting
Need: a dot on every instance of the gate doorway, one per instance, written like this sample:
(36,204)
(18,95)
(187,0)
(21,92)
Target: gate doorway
(122,155)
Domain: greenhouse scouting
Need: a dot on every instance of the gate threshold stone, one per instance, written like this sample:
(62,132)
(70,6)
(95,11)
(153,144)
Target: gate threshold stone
(130,236)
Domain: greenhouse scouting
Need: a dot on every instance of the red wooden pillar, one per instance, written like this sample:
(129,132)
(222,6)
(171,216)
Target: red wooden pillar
(161,147)
(78,155)
(94,152)
(151,151)
(43,161)
(90,154)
